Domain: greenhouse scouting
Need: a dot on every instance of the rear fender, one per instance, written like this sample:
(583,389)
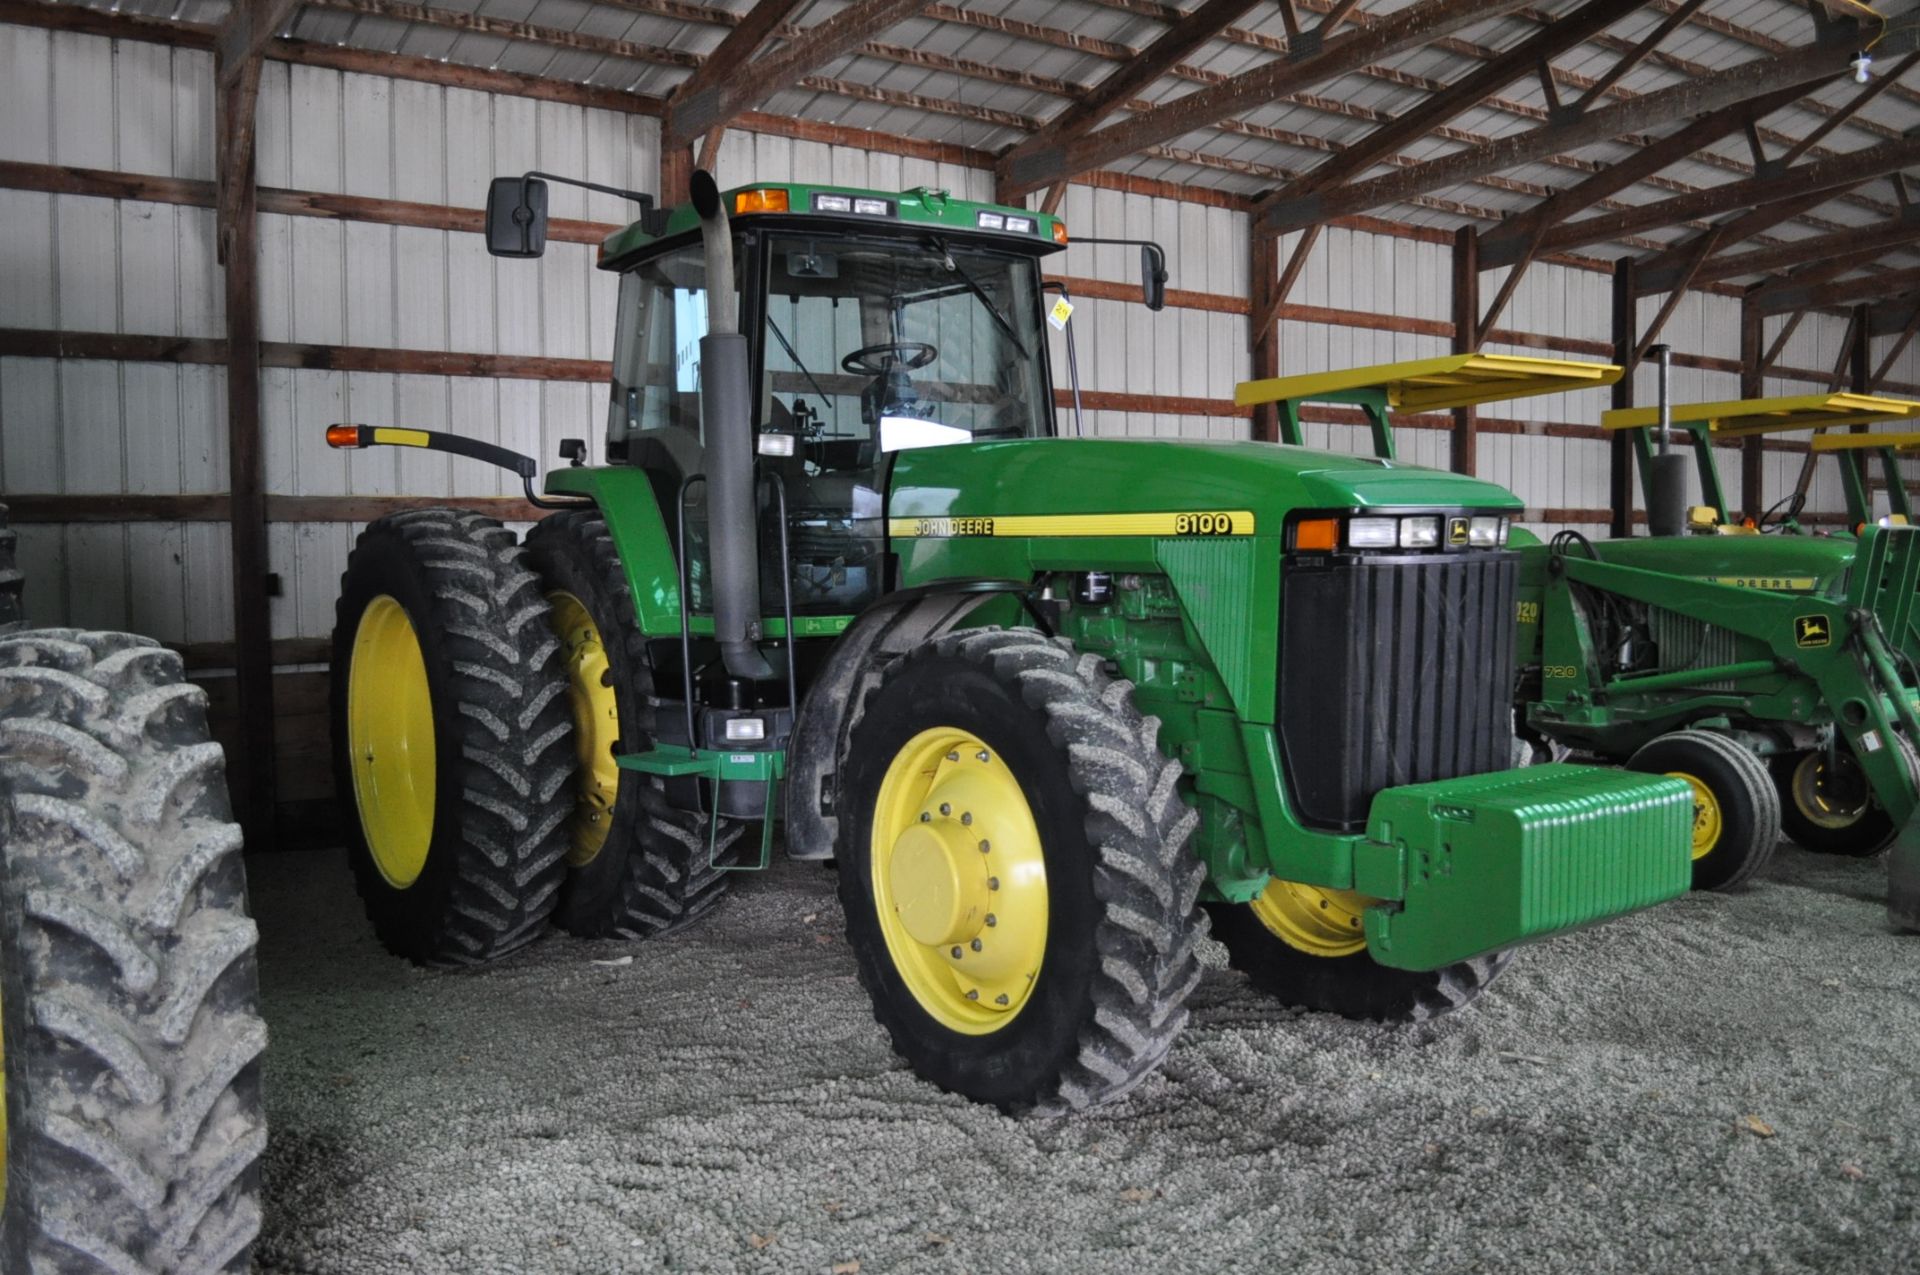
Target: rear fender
(888,629)
(627,502)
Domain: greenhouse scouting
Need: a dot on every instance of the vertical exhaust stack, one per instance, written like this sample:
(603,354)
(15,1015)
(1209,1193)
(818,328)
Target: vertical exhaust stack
(1667,477)
(726,421)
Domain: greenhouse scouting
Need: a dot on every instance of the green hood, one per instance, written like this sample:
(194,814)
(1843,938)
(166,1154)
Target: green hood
(1799,564)
(1145,475)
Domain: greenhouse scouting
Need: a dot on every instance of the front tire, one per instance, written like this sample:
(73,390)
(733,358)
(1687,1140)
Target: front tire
(1830,809)
(1736,812)
(128,998)
(1303,945)
(451,737)
(1013,867)
(637,867)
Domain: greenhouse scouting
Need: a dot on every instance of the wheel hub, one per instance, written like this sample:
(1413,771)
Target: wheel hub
(940,883)
(1707,820)
(959,880)
(1830,796)
(596,726)
(390,741)
(1317,921)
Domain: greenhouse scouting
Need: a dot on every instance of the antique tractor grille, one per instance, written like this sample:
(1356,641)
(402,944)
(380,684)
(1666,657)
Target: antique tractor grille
(1682,642)
(1393,670)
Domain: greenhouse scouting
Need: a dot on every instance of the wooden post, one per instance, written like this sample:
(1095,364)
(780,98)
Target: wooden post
(238,231)
(1860,355)
(676,174)
(1466,331)
(1620,458)
(1752,385)
(1264,334)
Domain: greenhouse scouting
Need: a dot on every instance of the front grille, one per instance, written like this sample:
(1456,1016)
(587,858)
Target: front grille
(1393,670)
(1682,642)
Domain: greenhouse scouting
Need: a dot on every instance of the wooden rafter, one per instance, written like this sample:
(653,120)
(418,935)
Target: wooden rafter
(1118,89)
(1470,92)
(733,52)
(1791,295)
(1411,27)
(1793,184)
(1737,84)
(1858,246)
(720,101)
(1636,55)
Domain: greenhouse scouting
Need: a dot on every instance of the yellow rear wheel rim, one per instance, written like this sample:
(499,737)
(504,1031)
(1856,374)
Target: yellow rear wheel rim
(596,726)
(1316,921)
(1808,790)
(1708,822)
(959,880)
(390,739)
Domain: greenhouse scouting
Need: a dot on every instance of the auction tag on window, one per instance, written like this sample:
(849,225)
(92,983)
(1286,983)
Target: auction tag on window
(1058,315)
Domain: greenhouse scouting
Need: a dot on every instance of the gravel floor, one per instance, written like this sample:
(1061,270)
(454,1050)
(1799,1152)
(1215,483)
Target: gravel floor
(1727,1083)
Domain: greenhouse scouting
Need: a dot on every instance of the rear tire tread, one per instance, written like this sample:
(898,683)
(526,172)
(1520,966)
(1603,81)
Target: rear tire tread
(133,1081)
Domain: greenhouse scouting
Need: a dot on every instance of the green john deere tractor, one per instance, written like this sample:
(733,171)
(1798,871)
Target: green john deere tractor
(1044,699)
(1775,673)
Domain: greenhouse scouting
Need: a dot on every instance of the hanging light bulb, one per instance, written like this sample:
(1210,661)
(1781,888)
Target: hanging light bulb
(1862,67)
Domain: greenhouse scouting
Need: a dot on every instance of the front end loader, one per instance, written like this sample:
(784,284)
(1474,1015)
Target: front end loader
(1049,701)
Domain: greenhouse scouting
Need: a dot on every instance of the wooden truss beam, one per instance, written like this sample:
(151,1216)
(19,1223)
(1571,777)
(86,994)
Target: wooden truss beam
(1856,245)
(717,103)
(1790,295)
(1027,169)
(1695,97)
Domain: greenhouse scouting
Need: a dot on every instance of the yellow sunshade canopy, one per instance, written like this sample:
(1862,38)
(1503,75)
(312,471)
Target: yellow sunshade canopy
(1435,385)
(1860,442)
(1745,417)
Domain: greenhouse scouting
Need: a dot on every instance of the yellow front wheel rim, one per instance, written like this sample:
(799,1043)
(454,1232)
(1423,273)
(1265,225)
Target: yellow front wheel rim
(1809,788)
(390,740)
(596,726)
(1319,922)
(959,880)
(1708,822)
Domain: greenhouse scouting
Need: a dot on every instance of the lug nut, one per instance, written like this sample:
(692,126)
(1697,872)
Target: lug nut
(956,953)
(992,920)
(981,755)
(966,817)
(975,945)
(925,817)
(953,756)
(1001,999)
(993,883)
(946,808)
(985,846)
(973,994)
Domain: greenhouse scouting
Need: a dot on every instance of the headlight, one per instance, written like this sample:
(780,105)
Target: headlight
(1419,533)
(745,729)
(1484,533)
(1371,533)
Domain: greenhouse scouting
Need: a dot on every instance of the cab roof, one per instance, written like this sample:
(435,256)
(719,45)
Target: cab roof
(847,208)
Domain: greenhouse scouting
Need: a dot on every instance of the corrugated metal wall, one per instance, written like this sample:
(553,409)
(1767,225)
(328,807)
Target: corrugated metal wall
(93,264)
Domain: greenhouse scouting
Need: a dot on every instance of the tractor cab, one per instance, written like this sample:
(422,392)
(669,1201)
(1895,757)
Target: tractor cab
(875,323)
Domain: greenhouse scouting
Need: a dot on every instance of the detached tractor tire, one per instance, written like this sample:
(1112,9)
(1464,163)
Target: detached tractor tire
(128,997)
(636,866)
(1014,868)
(1304,946)
(13,582)
(1827,804)
(1736,811)
(452,742)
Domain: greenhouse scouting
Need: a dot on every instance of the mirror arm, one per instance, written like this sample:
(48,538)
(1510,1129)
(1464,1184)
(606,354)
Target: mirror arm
(633,196)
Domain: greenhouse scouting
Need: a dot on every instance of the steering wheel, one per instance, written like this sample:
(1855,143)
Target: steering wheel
(865,361)
(1794,501)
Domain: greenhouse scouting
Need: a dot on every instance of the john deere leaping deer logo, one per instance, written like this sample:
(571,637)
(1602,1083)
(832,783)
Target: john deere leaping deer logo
(1811,630)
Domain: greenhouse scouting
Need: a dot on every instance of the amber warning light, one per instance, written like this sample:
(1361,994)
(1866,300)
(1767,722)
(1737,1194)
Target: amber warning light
(343,436)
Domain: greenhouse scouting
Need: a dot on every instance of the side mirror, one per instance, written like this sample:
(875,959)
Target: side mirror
(517,217)
(1153,276)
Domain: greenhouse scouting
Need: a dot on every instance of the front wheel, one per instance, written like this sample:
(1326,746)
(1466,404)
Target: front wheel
(1736,812)
(1827,803)
(1014,871)
(1304,946)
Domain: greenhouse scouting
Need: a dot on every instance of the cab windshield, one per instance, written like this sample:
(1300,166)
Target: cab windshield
(875,346)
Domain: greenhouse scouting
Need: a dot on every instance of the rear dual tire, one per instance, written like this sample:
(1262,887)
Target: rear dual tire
(453,746)
(1736,809)
(1828,807)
